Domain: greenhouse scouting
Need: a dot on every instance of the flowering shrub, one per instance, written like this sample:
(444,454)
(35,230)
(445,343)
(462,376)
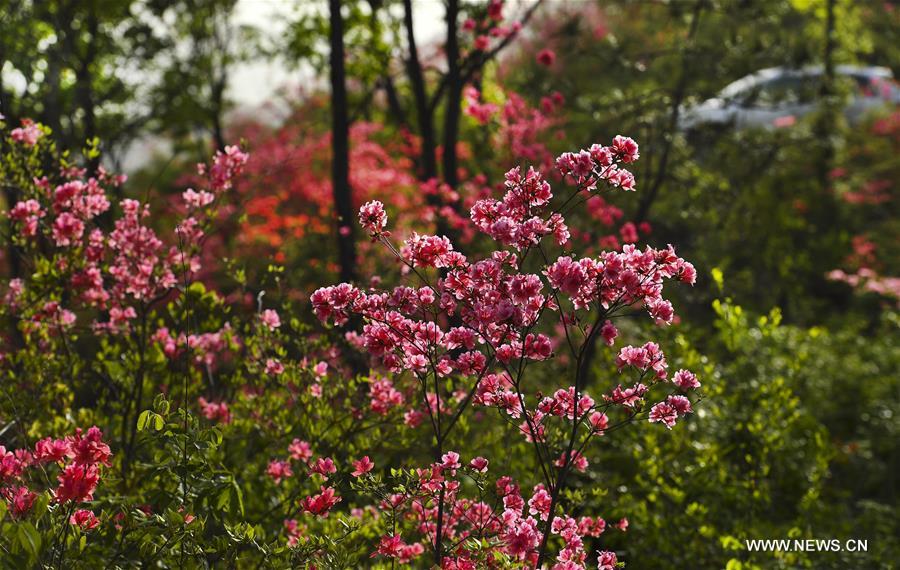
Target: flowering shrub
(261,444)
(288,188)
(486,28)
(866,183)
(89,310)
(78,457)
(29,487)
(468,331)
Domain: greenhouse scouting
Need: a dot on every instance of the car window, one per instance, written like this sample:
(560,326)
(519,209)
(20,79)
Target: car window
(880,87)
(789,90)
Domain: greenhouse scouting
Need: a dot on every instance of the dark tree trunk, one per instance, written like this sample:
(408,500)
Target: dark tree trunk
(678,96)
(217,103)
(393,100)
(827,119)
(218,134)
(386,82)
(340,147)
(454,97)
(5,102)
(428,166)
(85,87)
(829,46)
(9,195)
(51,114)
(14,263)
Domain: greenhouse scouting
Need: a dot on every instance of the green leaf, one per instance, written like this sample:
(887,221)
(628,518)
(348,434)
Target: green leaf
(144,420)
(160,404)
(29,538)
(215,436)
(223,501)
(149,419)
(40,505)
(237,497)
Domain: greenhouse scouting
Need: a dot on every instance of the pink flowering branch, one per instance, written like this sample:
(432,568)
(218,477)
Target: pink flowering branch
(477,59)
(494,310)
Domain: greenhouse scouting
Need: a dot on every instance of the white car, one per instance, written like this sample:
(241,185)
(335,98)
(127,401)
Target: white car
(778,96)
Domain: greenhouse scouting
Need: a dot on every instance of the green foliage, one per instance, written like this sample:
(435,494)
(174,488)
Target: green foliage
(794,438)
(61,65)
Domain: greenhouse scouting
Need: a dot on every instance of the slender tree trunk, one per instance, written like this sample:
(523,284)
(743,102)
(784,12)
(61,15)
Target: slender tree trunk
(678,95)
(661,170)
(11,197)
(5,104)
(340,147)
(393,100)
(218,95)
(386,82)
(218,133)
(85,87)
(218,83)
(826,123)
(428,167)
(51,113)
(9,193)
(454,97)
(830,44)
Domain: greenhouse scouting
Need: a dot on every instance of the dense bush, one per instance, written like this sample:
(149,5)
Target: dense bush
(792,439)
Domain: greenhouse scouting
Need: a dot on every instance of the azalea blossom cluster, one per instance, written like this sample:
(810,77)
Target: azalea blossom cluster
(488,29)
(208,349)
(294,161)
(78,458)
(120,271)
(480,322)
(28,134)
(521,128)
(502,519)
(868,280)
(300,457)
(462,331)
(320,502)
(601,163)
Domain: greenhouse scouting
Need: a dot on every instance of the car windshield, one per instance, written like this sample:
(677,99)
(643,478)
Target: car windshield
(742,85)
(799,88)
(882,87)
